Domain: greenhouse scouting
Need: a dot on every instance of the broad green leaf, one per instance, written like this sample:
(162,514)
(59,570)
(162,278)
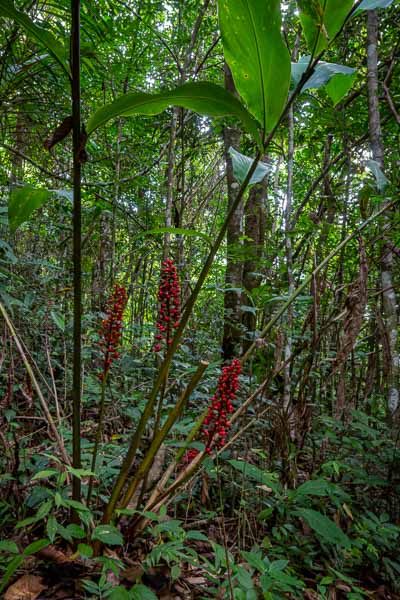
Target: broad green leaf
(44,474)
(380,178)
(23,202)
(314,487)
(201,97)
(108,534)
(9,572)
(58,320)
(120,593)
(321,20)
(85,550)
(9,546)
(76,531)
(372,4)
(257,56)
(42,36)
(324,527)
(35,547)
(142,592)
(323,73)
(338,87)
(52,528)
(241,165)
(254,473)
(175,230)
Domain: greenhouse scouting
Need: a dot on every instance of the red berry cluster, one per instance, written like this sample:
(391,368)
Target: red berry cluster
(111,327)
(216,423)
(169,304)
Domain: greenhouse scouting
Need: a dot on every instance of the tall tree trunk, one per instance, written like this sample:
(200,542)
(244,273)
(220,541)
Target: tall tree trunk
(254,242)
(234,267)
(170,181)
(77,247)
(386,279)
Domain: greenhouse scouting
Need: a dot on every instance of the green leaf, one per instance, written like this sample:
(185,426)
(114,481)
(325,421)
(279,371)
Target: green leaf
(253,472)
(175,230)
(372,4)
(257,56)
(324,527)
(44,474)
(58,320)
(314,487)
(321,26)
(338,87)
(381,180)
(241,166)
(35,547)
(120,593)
(9,546)
(23,202)
(108,534)
(142,592)
(52,528)
(201,97)
(76,531)
(197,535)
(323,73)
(44,37)
(11,568)
(85,550)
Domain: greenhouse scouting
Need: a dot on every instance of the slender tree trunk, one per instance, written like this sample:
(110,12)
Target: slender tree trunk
(253,245)
(170,181)
(234,267)
(77,243)
(287,396)
(386,280)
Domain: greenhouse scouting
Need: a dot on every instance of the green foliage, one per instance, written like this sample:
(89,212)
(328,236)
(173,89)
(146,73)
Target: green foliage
(23,202)
(202,97)
(322,20)
(37,33)
(257,56)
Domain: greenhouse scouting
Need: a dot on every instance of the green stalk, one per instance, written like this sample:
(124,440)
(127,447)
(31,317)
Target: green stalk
(160,436)
(98,434)
(148,411)
(77,247)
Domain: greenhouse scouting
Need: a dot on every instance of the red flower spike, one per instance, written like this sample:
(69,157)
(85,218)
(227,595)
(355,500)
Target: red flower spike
(169,305)
(216,424)
(111,328)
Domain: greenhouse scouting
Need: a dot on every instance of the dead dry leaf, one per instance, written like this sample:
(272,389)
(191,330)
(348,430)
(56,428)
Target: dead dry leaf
(27,587)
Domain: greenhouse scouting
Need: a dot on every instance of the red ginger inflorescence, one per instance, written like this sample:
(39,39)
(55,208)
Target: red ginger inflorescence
(111,328)
(216,422)
(169,304)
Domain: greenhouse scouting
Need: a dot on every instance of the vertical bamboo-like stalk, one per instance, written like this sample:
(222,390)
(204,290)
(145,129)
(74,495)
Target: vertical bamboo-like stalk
(386,264)
(77,243)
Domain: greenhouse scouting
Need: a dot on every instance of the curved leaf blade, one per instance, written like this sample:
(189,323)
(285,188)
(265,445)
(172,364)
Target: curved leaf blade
(242,164)
(44,37)
(257,56)
(201,97)
(324,527)
(23,202)
(321,20)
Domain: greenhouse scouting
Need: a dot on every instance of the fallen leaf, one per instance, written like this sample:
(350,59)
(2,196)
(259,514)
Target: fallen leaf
(28,587)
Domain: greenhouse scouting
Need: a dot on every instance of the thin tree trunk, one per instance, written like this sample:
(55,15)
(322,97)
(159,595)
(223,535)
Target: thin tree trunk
(170,181)
(234,267)
(386,279)
(77,243)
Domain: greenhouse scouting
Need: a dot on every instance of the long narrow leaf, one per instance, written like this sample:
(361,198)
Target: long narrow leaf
(44,37)
(257,56)
(201,97)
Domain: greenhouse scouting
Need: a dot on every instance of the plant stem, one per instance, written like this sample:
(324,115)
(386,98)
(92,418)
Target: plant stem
(126,465)
(77,243)
(99,432)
